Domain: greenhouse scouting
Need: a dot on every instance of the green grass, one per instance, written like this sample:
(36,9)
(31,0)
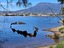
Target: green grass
(60,30)
(60,45)
(51,47)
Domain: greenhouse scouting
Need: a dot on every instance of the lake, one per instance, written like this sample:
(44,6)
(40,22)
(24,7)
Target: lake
(10,39)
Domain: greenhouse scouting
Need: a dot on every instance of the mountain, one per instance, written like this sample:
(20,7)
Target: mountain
(43,8)
(40,8)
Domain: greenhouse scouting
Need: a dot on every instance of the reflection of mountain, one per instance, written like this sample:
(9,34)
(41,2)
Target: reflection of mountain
(43,8)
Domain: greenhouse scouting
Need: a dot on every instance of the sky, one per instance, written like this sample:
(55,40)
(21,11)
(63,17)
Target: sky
(34,2)
(37,1)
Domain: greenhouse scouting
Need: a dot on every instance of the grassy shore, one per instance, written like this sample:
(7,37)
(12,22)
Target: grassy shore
(55,31)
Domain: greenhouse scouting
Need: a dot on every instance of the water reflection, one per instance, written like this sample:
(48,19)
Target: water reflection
(24,33)
(17,23)
(56,40)
(18,39)
(55,37)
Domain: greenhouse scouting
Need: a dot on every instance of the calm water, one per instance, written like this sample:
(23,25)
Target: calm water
(10,39)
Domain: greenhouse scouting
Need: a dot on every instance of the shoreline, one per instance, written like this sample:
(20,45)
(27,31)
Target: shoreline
(53,30)
(47,46)
(30,15)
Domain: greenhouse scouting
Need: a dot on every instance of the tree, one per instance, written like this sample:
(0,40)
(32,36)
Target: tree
(62,1)
(63,11)
(18,3)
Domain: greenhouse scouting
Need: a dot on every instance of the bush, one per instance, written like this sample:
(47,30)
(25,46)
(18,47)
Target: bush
(60,45)
(51,47)
(60,30)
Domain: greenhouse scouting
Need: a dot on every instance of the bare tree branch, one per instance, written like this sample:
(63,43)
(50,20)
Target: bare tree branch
(62,1)
(2,6)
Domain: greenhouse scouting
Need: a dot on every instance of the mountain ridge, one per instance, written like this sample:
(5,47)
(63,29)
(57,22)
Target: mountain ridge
(41,7)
